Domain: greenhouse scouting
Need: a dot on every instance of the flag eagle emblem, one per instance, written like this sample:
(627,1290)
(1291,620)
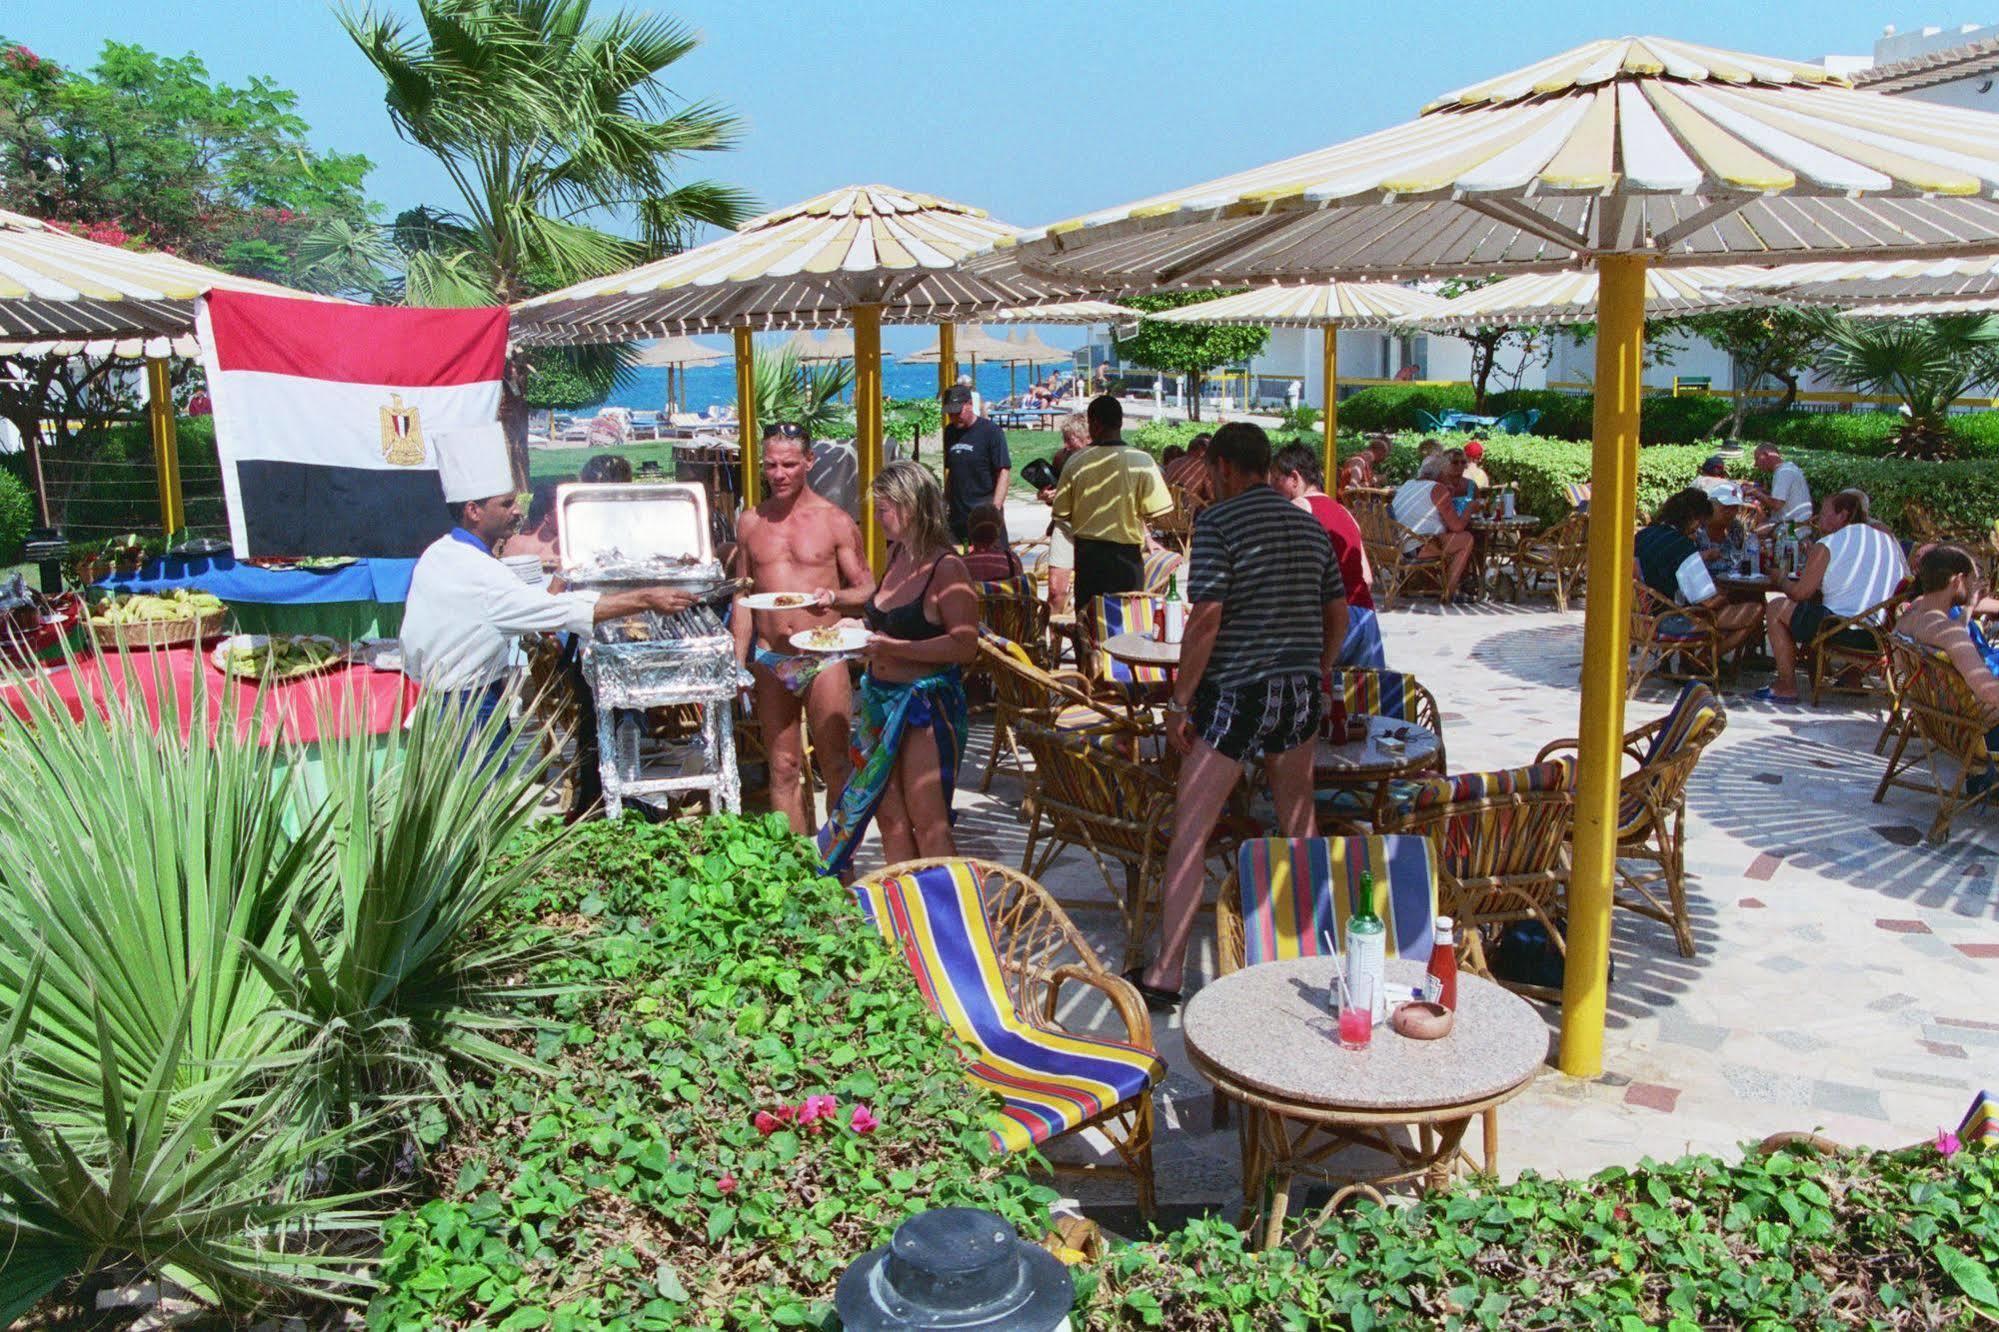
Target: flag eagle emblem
(402,434)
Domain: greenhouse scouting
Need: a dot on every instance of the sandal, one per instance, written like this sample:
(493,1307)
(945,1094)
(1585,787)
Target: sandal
(1156,999)
(1767,695)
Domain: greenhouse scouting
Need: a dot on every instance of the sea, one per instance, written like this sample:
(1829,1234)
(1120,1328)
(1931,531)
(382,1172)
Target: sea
(715,385)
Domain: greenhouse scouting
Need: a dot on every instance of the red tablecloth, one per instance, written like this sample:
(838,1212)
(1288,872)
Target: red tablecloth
(350,699)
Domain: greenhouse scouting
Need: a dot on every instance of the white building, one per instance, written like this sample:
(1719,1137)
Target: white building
(1953,66)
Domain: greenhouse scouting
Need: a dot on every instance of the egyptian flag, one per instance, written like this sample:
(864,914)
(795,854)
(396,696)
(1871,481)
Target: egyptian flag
(326,416)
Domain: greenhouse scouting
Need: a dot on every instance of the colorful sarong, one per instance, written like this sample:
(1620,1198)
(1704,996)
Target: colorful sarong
(884,716)
(796,671)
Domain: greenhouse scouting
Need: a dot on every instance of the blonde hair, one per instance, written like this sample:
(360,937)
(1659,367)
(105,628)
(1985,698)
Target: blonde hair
(1075,426)
(913,488)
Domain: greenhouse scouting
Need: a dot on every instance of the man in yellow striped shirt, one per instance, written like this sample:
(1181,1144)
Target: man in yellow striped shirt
(1109,495)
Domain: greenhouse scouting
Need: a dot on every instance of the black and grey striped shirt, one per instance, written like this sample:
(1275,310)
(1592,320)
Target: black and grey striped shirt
(1271,567)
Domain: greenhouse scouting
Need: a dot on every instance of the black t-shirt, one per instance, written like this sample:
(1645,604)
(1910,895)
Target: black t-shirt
(974,456)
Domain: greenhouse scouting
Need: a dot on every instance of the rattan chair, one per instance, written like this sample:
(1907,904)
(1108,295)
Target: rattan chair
(1502,855)
(1396,554)
(1690,649)
(995,952)
(1013,611)
(1940,714)
(1652,806)
(1083,794)
(1396,695)
(553,700)
(1855,642)
(1559,553)
(1063,700)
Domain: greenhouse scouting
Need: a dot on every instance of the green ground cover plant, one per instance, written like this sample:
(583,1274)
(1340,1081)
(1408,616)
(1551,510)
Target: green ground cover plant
(747,1093)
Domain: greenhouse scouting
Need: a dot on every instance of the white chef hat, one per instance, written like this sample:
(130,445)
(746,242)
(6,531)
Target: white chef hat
(472,462)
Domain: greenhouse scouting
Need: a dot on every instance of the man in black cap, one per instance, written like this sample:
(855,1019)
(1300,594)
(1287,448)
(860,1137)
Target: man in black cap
(976,462)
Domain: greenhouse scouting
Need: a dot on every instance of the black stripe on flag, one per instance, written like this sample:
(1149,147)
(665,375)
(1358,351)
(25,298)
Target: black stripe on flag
(304,509)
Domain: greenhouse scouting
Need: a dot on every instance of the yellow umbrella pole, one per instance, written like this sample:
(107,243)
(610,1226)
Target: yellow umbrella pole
(748,439)
(1620,338)
(166,447)
(1329,368)
(868,422)
(947,357)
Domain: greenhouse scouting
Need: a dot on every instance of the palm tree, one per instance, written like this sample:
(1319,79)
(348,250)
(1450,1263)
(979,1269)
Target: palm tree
(545,118)
(1927,363)
(788,390)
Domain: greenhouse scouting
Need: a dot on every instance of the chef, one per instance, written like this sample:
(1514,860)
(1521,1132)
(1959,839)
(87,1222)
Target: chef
(465,608)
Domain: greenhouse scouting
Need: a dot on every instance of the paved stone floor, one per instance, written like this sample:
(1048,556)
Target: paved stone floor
(1847,973)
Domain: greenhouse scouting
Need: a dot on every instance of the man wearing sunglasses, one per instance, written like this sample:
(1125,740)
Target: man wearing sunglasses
(798,541)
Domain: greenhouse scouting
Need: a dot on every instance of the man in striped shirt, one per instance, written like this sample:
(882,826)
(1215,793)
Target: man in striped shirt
(1268,621)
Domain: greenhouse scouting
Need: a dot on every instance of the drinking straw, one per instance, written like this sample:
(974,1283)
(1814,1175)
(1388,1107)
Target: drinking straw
(1339,972)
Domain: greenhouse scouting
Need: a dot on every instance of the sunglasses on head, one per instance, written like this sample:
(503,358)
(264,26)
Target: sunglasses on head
(785,430)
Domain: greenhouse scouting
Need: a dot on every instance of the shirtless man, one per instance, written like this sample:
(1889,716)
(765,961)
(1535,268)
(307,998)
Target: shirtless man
(798,541)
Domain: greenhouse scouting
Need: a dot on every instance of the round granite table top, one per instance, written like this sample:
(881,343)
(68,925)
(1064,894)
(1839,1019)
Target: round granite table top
(1269,1030)
(1141,649)
(1495,520)
(1366,760)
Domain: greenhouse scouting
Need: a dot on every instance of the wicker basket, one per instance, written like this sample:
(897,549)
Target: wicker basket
(155,633)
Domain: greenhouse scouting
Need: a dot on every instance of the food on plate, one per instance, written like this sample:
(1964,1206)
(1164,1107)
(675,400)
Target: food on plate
(789,600)
(280,655)
(826,640)
(179,604)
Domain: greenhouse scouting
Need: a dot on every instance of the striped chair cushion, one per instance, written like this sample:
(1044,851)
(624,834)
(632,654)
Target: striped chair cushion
(1050,1082)
(1109,616)
(1577,494)
(1554,775)
(1160,565)
(1295,892)
(1980,1125)
(1020,585)
(1377,693)
(1696,705)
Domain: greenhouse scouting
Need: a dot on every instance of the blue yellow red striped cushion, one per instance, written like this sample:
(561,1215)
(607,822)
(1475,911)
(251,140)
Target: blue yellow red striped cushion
(1160,564)
(1109,616)
(1555,775)
(1294,891)
(1696,704)
(1390,694)
(1020,585)
(1048,1081)
(1980,1125)
(1577,494)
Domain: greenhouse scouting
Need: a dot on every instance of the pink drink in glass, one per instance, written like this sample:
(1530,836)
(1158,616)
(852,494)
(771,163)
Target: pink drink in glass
(1356,1028)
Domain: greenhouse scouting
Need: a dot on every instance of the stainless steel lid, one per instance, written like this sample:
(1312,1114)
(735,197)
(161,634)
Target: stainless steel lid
(627,530)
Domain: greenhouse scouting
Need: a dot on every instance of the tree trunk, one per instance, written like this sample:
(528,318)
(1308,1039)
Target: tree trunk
(514,418)
(1194,379)
(1483,354)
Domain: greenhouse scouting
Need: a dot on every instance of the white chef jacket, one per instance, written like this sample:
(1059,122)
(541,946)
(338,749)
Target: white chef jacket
(465,610)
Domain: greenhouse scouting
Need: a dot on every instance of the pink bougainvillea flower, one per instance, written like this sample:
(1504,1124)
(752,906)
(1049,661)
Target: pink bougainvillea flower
(863,1120)
(1947,1144)
(727,1184)
(767,1123)
(816,1108)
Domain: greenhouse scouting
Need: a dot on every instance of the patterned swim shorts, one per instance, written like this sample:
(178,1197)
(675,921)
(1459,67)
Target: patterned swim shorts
(1264,717)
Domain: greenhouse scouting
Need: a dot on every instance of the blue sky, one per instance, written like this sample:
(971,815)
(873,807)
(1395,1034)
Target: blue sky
(1031,109)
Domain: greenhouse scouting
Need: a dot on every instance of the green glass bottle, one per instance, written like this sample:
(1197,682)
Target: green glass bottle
(1367,947)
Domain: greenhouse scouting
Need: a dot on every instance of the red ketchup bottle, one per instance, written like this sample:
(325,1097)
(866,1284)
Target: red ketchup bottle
(1441,984)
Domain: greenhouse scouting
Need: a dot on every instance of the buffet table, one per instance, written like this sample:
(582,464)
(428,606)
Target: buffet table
(363,599)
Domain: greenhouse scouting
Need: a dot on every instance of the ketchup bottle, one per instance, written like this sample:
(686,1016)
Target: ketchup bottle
(1441,984)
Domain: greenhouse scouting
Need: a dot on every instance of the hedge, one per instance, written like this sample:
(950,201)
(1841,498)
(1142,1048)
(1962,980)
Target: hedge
(116,487)
(17,515)
(1963,494)
(1868,434)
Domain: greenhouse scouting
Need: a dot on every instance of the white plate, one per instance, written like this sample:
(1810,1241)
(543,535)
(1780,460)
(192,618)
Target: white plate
(769,601)
(220,656)
(851,639)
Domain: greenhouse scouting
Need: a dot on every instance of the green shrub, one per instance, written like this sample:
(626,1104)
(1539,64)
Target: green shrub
(17,515)
(718,975)
(109,484)
(1867,434)
(1961,495)
(1155,436)
(1683,420)
(1539,468)
(1879,1240)
(1394,406)
(1563,415)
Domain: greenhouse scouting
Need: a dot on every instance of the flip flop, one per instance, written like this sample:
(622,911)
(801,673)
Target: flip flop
(1156,999)
(1764,695)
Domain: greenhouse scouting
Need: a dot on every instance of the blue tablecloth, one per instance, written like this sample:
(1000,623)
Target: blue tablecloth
(364,580)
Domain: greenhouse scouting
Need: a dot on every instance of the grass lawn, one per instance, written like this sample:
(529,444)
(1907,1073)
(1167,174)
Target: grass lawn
(563,464)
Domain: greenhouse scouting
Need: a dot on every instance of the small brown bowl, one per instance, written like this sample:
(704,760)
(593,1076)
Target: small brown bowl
(1421,1021)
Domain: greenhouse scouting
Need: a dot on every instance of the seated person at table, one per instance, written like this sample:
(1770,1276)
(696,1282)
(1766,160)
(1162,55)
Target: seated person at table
(798,541)
(606,468)
(1189,474)
(1946,586)
(1294,474)
(1426,504)
(1852,567)
(1789,498)
(1268,621)
(987,557)
(1358,471)
(538,535)
(1474,471)
(1669,562)
(1713,475)
(1723,539)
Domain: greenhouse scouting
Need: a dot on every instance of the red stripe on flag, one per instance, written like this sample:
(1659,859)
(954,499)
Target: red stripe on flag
(358,344)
